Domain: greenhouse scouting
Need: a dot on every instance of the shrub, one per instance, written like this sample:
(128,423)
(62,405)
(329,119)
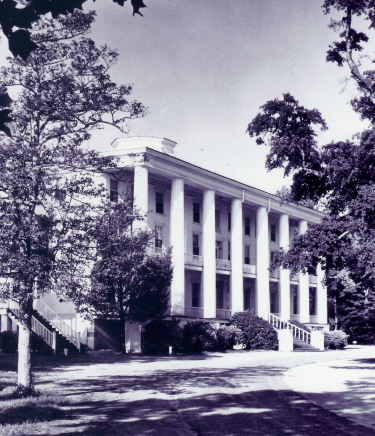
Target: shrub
(335,340)
(159,335)
(226,336)
(199,336)
(258,334)
(8,342)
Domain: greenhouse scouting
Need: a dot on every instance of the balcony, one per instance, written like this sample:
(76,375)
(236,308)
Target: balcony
(274,273)
(223,313)
(223,265)
(249,269)
(313,279)
(193,260)
(152,251)
(194,312)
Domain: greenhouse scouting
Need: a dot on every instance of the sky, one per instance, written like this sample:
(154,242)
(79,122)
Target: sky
(203,68)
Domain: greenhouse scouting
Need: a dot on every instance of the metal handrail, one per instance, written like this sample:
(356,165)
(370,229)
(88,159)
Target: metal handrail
(298,332)
(57,322)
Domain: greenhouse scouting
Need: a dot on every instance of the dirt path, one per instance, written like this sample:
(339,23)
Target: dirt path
(230,394)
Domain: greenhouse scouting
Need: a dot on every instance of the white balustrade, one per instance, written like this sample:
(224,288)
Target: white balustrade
(57,322)
(298,332)
(223,264)
(193,259)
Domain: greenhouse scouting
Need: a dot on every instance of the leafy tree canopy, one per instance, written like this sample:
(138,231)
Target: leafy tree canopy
(17,19)
(47,176)
(126,282)
(339,177)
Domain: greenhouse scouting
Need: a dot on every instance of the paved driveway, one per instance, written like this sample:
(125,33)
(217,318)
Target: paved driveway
(256,393)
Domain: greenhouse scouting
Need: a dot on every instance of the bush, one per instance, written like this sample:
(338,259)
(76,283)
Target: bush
(199,336)
(258,334)
(335,340)
(159,335)
(227,336)
(9,342)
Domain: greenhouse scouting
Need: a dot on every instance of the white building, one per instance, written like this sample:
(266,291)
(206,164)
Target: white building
(223,235)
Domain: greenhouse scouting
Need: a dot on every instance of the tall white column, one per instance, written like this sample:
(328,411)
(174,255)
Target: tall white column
(141,195)
(209,260)
(304,303)
(321,291)
(236,257)
(262,264)
(284,274)
(177,239)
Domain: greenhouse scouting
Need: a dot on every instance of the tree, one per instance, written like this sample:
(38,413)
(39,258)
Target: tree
(21,44)
(126,283)
(338,178)
(47,176)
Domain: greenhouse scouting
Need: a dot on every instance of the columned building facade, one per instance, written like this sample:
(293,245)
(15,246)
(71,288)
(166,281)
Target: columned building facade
(223,234)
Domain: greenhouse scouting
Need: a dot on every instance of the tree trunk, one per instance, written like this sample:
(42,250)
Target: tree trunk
(24,345)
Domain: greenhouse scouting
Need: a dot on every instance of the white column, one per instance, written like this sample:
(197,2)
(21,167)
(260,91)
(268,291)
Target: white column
(284,274)
(209,261)
(304,309)
(141,194)
(321,292)
(262,264)
(177,240)
(236,257)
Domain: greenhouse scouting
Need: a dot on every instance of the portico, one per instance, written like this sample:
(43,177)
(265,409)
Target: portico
(223,236)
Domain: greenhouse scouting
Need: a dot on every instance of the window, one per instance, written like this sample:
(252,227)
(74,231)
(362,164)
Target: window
(247,255)
(229,251)
(273,233)
(195,294)
(113,190)
(219,295)
(196,245)
(219,250)
(312,296)
(229,221)
(294,299)
(217,220)
(274,297)
(247,225)
(272,256)
(196,213)
(159,202)
(158,237)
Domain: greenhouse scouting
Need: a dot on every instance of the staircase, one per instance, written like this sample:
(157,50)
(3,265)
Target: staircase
(49,326)
(301,337)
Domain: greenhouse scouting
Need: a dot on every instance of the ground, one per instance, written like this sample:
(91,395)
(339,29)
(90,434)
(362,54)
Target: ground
(254,393)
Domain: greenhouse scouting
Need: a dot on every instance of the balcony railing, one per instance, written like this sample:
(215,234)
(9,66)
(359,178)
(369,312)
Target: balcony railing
(274,273)
(194,260)
(223,313)
(249,269)
(313,279)
(223,264)
(196,312)
(152,251)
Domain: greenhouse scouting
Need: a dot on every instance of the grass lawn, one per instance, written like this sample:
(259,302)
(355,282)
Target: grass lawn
(25,416)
